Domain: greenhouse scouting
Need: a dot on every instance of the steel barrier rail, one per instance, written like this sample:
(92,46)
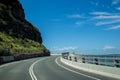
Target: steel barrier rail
(105,61)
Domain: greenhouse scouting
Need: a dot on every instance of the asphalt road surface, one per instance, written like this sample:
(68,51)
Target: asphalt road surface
(44,68)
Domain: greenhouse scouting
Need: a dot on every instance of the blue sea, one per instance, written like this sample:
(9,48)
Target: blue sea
(112,60)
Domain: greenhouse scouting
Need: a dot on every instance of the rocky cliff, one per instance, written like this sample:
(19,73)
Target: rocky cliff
(12,21)
(16,34)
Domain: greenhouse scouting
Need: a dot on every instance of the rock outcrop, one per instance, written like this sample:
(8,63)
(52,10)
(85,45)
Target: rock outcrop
(13,22)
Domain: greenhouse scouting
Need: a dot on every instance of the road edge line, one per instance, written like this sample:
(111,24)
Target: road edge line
(75,71)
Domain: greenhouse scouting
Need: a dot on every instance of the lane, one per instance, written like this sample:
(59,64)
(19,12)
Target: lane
(57,60)
(17,70)
(49,70)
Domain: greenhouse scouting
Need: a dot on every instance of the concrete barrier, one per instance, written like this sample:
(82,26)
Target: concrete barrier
(97,69)
(7,58)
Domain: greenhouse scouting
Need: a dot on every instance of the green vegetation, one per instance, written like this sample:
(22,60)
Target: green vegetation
(15,46)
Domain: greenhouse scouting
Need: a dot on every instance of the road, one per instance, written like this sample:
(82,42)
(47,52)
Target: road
(44,68)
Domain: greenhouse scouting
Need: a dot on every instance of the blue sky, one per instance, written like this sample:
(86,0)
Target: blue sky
(81,26)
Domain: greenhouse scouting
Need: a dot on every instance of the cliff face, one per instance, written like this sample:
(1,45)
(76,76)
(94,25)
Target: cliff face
(13,23)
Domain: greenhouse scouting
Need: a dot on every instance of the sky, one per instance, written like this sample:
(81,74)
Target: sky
(80,26)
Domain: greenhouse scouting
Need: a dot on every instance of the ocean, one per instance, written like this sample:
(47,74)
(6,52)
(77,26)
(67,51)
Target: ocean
(112,60)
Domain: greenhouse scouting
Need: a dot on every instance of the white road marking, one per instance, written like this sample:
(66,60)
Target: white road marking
(31,72)
(75,71)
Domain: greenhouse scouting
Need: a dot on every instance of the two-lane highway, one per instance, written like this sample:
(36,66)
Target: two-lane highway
(43,68)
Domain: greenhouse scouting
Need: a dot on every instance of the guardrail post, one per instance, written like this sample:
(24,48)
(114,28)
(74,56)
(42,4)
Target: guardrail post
(83,60)
(75,59)
(70,58)
(116,63)
(96,61)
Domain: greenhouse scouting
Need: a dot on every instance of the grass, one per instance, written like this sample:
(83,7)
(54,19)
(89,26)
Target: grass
(15,46)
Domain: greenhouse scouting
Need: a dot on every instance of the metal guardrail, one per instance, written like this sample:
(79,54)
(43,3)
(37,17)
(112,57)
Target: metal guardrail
(104,61)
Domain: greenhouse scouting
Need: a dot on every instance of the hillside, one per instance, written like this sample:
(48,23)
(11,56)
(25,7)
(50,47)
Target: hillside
(17,35)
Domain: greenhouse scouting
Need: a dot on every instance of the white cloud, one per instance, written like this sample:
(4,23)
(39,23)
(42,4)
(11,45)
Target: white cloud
(65,48)
(118,8)
(109,47)
(115,2)
(107,17)
(75,16)
(78,23)
(113,27)
(100,13)
(107,23)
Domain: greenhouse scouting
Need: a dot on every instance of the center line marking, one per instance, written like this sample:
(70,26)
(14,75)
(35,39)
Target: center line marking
(31,72)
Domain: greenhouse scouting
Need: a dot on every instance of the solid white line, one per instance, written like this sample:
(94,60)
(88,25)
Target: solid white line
(31,72)
(75,71)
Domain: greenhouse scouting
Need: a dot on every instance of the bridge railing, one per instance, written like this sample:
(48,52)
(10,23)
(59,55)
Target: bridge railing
(104,61)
